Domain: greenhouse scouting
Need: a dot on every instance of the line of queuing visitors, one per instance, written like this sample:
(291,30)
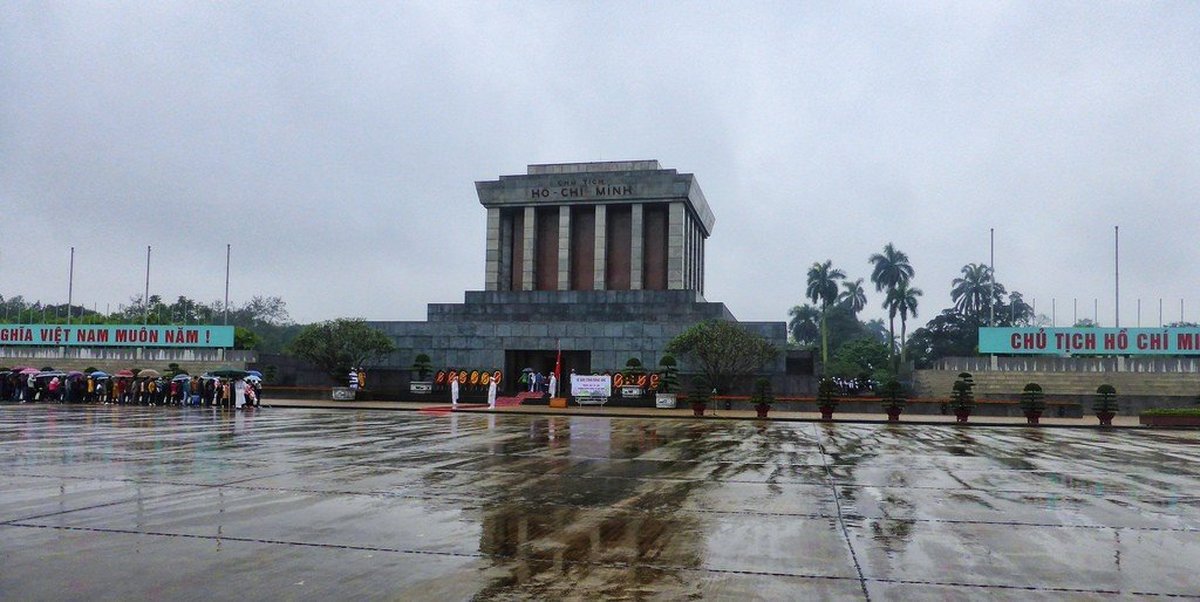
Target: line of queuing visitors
(147,387)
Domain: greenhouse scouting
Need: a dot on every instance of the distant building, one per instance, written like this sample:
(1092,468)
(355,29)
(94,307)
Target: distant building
(604,261)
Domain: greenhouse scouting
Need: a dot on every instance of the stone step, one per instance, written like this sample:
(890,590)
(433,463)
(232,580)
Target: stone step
(938,383)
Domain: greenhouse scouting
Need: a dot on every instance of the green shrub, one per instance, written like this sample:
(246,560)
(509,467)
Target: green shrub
(893,395)
(1106,399)
(962,396)
(669,380)
(422,366)
(763,395)
(1171,412)
(700,393)
(1032,398)
(828,393)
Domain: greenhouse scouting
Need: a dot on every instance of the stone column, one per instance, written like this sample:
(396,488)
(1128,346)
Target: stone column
(506,254)
(675,246)
(527,282)
(491,279)
(694,255)
(637,241)
(601,248)
(689,255)
(564,248)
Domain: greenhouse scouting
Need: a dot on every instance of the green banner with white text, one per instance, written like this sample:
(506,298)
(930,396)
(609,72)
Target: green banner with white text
(115,335)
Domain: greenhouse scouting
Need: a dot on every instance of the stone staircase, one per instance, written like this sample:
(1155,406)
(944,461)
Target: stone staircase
(518,399)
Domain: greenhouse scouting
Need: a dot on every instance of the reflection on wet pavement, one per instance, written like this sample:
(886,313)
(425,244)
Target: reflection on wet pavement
(115,503)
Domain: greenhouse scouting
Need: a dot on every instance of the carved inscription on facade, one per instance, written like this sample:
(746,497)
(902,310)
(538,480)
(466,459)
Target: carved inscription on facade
(581,188)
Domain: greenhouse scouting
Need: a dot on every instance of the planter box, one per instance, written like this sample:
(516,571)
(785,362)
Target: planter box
(1169,420)
(420,387)
(664,400)
(343,394)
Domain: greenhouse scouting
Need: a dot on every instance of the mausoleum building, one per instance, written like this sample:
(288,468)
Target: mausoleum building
(602,260)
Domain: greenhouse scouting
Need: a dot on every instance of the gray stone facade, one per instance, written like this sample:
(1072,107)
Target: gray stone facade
(609,326)
(637,186)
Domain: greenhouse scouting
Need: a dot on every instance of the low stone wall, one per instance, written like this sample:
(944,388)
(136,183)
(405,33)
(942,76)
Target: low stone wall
(1171,389)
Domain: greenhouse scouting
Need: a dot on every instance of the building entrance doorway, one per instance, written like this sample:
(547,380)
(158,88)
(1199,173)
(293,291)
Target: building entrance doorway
(542,361)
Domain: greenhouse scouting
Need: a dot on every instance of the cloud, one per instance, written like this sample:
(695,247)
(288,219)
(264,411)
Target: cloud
(335,147)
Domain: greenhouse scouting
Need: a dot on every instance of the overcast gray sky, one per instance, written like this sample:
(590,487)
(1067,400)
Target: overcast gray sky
(336,145)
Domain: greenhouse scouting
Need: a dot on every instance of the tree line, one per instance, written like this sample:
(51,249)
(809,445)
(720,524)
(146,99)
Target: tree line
(261,324)
(849,347)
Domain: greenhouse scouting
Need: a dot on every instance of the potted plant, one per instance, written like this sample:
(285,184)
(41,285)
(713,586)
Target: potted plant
(668,381)
(763,397)
(631,387)
(421,368)
(962,397)
(827,398)
(1032,402)
(1105,404)
(894,399)
(699,396)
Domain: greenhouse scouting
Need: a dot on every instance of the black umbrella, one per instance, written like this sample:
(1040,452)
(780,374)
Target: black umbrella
(229,372)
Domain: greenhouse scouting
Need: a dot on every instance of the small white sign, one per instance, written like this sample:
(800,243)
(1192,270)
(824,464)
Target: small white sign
(591,385)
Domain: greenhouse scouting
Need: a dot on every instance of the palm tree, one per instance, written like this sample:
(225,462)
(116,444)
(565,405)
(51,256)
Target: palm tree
(971,292)
(890,269)
(854,297)
(804,325)
(823,290)
(903,300)
(1020,313)
(877,329)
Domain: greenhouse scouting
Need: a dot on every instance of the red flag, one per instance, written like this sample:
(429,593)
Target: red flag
(558,364)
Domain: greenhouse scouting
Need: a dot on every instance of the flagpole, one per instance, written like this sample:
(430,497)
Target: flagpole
(146,299)
(228,246)
(1117,273)
(992,288)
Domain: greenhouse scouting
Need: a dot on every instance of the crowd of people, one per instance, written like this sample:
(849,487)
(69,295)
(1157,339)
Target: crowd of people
(146,387)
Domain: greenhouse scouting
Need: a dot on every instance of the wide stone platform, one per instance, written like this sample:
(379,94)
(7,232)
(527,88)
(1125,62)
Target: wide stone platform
(115,503)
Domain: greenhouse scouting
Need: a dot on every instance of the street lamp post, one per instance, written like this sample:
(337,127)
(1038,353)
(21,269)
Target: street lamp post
(70,285)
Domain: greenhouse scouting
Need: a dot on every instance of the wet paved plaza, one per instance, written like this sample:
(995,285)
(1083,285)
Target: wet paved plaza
(114,503)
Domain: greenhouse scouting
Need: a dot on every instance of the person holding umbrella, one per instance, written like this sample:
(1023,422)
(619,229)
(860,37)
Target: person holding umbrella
(53,390)
(254,378)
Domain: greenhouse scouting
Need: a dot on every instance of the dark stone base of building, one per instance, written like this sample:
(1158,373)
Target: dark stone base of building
(597,331)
